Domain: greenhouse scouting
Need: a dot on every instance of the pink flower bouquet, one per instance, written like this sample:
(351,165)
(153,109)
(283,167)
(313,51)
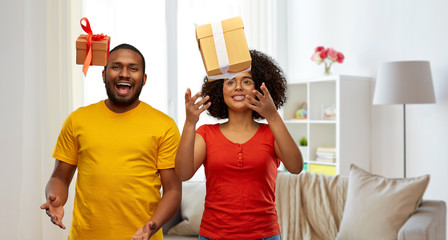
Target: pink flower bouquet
(327,56)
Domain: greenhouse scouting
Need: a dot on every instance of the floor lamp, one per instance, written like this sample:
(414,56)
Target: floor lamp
(404,82)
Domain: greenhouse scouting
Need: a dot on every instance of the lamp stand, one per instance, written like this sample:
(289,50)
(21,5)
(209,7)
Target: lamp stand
(404,140)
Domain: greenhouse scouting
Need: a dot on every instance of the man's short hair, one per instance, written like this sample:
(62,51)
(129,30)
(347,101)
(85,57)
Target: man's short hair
(132,48)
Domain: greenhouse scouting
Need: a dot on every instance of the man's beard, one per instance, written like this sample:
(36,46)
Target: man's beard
(121,101)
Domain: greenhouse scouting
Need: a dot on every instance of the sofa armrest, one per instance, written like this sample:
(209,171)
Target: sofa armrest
(177,218)
(427,223)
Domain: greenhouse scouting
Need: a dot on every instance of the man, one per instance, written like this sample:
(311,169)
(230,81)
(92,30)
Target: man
(124,152)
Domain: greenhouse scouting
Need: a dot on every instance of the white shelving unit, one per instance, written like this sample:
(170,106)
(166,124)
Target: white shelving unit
(348,132)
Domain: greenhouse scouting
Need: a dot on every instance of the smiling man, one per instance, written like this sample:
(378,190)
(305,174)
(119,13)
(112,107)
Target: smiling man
(124,79)
(124,152)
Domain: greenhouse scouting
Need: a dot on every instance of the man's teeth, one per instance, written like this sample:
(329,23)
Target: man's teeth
(124,84)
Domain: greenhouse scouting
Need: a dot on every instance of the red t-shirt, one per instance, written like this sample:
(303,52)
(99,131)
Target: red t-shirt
(240,199)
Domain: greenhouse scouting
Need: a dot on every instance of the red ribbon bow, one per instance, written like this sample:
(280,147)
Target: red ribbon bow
(90,38)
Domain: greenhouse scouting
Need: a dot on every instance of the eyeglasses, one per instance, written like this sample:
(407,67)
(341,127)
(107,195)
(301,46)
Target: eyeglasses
(245,83)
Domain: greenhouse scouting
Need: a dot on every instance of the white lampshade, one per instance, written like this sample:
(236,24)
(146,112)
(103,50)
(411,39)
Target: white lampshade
(404,82)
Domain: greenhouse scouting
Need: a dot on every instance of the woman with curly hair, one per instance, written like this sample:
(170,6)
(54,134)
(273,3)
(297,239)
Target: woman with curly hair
(241,155)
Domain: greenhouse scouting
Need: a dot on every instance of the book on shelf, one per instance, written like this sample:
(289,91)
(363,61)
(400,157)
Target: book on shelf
(326,149)
(326,159)
(326,154)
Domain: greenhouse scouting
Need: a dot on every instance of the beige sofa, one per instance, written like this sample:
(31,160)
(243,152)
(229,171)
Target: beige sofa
(311,206)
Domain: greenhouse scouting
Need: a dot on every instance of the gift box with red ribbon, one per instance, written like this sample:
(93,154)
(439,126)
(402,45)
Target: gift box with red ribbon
(100,50)
(91,49)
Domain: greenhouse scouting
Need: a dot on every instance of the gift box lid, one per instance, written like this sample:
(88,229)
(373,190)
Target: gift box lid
(230,24)
(235,42)
(97,45)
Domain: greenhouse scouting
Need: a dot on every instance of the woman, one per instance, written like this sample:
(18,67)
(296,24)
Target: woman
(240,156)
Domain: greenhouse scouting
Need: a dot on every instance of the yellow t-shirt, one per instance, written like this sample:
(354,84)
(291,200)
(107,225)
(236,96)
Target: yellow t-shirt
(118,156)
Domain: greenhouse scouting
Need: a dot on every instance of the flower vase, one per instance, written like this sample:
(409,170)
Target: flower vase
(328,68)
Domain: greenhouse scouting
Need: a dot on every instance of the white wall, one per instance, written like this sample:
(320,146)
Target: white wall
(369,33)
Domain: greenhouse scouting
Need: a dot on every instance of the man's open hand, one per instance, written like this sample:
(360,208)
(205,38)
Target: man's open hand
(54,209)
(145,232)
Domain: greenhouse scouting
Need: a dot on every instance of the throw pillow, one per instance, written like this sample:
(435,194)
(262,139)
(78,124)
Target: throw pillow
(377,207)
(191,208)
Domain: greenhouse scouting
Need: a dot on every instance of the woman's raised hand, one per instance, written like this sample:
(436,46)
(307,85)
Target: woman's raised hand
(192,108)
(264,105)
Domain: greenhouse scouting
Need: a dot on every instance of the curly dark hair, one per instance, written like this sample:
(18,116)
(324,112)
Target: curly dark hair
(264,69)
